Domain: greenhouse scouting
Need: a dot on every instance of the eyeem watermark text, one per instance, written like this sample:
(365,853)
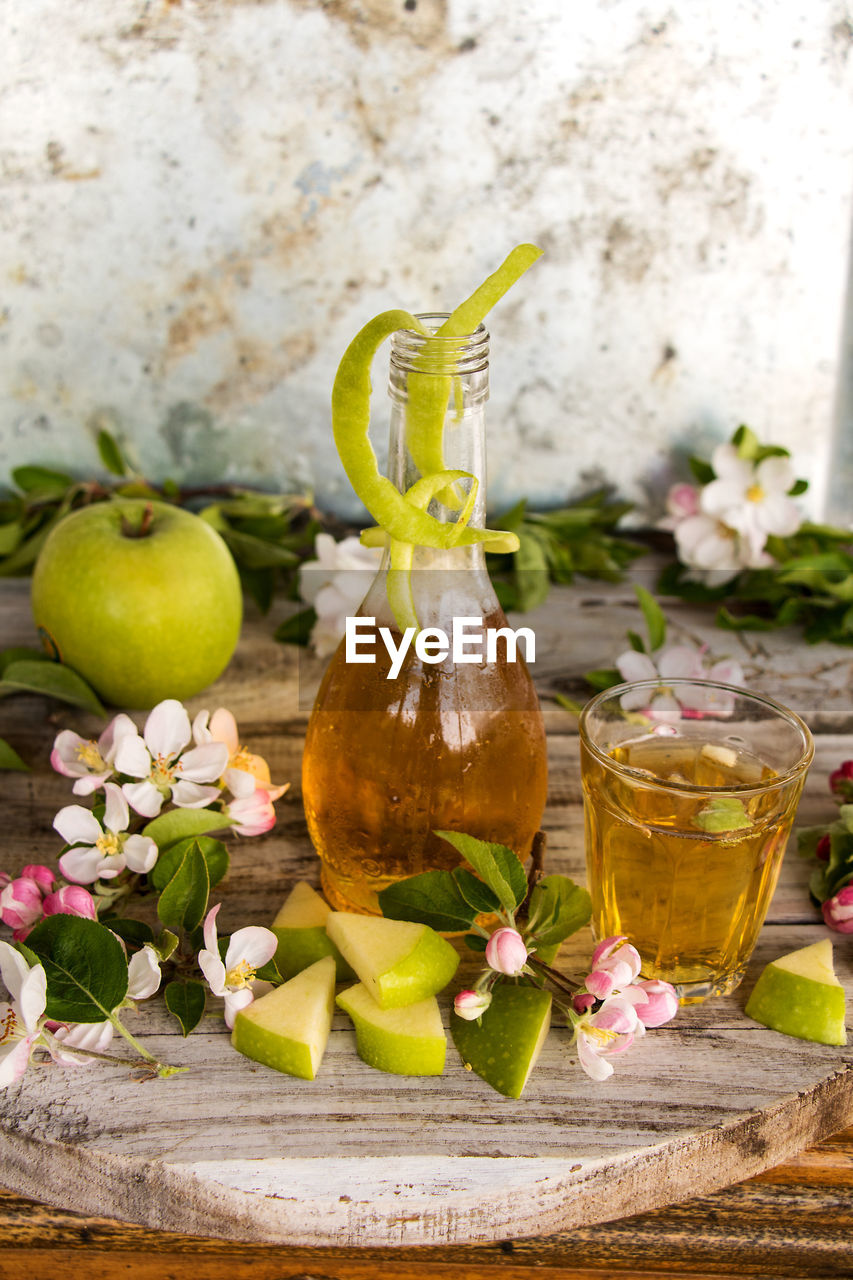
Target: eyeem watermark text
(469,641)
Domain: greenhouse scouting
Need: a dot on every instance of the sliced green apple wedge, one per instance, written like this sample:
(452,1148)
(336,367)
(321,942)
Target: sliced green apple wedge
(300,927)
(400,963)
(406,1041)
(503,1045)
(289,1027)
(800,995)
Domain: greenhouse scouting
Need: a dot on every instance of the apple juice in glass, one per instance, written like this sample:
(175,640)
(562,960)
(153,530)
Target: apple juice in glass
(686,822)
(446,746)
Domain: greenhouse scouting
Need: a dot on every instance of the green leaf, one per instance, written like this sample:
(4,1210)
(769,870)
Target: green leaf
(297,628)
(177,824)
(183,902)
(260,585)
(186,1000)
(19,652)
(9,758)
(51,679)
(558,908)
(85,965)
(703,472)
(654,616)
(474,942)
(255,553)
(494,863)
(798,487)
(746,442)
(432,898)
(214,853)
(110,454)
(604,678)
(531,571)
(11,533)
(568,704)
(31,478)
(165,944)
(135,933)
(476,894)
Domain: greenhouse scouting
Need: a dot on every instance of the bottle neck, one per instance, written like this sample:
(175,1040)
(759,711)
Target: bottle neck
(438,388)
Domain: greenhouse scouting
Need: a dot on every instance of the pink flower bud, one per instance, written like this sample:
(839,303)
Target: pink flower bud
(823,848)
(600,984)
(506,952)
(471,1005)
(21,905)
(841,781)
(583,1001)
(71,900)
(42,875)
(662,1003)
(617,957)
(837,911)
(683,501)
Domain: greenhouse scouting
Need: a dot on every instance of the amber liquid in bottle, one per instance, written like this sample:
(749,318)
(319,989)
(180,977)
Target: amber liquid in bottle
(389,762)
(444,746)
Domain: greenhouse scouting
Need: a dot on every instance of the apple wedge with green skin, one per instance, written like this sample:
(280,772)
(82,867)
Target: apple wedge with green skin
(141,598)
(400,963)
(799,995)
(300,927)
(503,1044)
(407,1041)
(289,1027)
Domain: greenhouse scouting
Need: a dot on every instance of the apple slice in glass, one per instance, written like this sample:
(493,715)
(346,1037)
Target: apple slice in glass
(503,1045)
(289,1027)
(406,1041)
(799,995)
(399,963)
(300,927)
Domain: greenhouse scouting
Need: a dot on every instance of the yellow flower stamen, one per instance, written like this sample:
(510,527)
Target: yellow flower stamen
(89,755)
(603,1035)
(108,844)
(241,976)
(163,774)
(8,1026)
(755,493)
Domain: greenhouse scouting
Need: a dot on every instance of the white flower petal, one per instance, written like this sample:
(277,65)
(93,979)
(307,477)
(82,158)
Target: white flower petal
(116,816)
(132,756)
(140,853)
(77,825)
(82,865)
(143,974)
(144,798)
(189,795)
(119,728)
(14,1059)
(775,475)
(779,515)
(727,464)
(223,728)
(593,1064)
(167,729)
(13,969)
(235,1001)
(201,732)
(254,944)
(679,661)
(214,971)
(239,782)
(636,666)
(87,785)
(204,764)
(33,997)
(210,939)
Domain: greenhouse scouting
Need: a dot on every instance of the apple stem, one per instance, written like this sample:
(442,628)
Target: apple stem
(553,975)
(143,529)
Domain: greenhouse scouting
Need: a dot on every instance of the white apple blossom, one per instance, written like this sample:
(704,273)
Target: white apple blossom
(608,1031)
(167,771)
(678,662)
(335,584)
(245,772)
(751,498)
(87,761)
(21,1022)
(248,950)
(94,1037)
(102,852)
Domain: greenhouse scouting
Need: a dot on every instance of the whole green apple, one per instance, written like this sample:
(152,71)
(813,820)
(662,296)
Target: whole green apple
(141,598)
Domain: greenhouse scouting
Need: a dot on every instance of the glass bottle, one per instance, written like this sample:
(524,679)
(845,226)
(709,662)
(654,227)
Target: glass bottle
(449,746)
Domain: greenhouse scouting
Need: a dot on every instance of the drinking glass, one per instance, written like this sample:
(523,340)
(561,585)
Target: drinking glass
(690,791)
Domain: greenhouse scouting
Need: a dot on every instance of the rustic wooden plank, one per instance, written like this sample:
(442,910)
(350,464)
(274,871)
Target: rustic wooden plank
(204,1152)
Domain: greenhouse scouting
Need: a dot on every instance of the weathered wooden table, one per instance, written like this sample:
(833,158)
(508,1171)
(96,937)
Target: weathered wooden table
(234,1170)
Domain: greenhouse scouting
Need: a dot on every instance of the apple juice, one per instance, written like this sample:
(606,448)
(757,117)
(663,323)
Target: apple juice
(389,762)
(684,844)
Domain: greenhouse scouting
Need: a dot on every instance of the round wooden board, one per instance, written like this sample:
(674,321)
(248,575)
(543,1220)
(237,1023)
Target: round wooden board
(234,1150)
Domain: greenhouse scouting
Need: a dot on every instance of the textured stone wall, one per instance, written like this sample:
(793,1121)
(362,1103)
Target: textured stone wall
(203,201)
